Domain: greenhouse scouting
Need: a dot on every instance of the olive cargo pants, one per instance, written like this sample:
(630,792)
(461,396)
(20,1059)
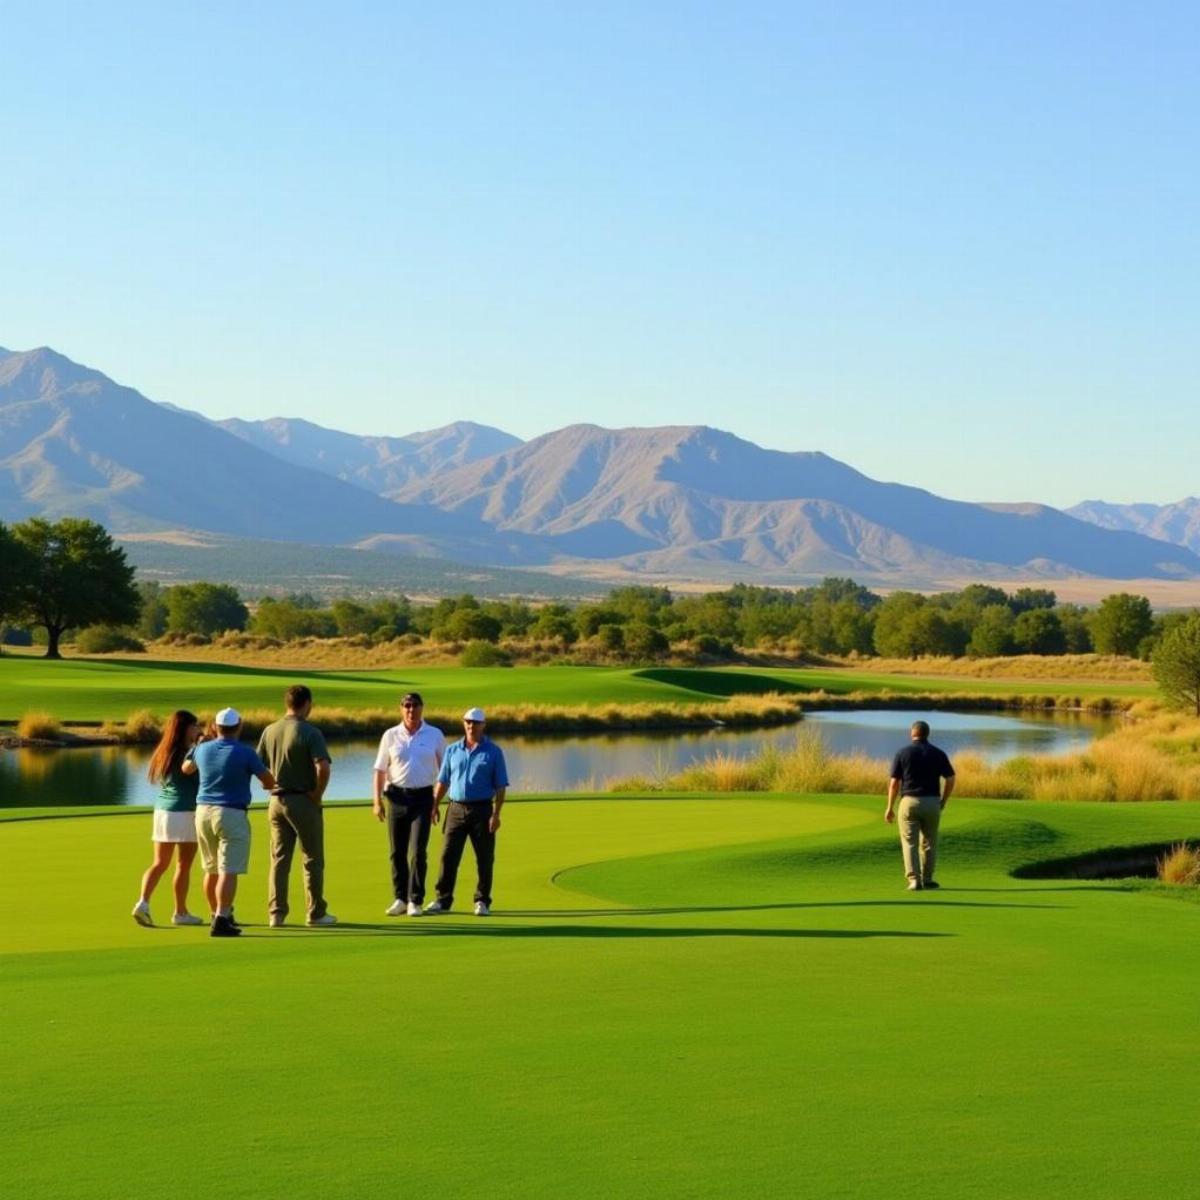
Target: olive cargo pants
(294,817)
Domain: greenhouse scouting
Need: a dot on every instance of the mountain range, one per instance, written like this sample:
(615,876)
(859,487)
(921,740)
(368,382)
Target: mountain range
(676,502)
(1177,523)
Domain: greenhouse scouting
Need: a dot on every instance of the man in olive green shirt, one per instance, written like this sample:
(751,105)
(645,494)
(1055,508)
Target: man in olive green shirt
(296,753)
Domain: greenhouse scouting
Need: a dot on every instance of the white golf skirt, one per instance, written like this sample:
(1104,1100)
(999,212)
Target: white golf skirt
(173,826)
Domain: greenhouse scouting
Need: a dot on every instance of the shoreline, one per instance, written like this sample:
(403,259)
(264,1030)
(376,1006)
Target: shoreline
(769,711)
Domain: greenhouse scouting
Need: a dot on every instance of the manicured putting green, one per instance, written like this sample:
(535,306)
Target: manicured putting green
(94,690)
(677,997)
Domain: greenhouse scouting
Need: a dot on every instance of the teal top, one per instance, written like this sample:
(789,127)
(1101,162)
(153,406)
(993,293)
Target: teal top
(177,792)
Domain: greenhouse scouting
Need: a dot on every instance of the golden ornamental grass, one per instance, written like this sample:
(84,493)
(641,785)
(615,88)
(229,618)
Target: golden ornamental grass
(39,727)
(1127,765)
(1181,865)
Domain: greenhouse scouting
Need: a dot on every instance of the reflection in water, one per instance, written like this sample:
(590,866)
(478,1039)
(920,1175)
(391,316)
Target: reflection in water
(554,763)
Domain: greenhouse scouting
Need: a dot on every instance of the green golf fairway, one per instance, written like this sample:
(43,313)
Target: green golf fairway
(102,689)
(676,997)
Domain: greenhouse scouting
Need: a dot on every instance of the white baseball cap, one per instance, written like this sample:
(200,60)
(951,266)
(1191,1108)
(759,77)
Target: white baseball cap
(227,718)
(474,714)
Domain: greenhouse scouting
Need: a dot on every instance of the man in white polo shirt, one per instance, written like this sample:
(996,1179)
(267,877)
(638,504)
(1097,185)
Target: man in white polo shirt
(406,768)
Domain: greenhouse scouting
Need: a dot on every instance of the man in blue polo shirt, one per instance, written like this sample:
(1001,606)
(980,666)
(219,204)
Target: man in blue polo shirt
(225,766)
(474,774)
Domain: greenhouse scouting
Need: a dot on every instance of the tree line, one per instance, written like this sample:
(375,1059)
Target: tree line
(69,576)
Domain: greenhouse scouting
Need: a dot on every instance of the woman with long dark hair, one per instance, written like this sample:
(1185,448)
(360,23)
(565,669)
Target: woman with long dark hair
(174,817)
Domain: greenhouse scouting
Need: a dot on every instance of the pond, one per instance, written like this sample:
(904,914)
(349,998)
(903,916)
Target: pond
(558,763)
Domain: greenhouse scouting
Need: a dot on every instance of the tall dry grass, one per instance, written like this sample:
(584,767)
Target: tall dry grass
(770,709)
(1101,667)
(1130,764)
(39,727)
(1181,865)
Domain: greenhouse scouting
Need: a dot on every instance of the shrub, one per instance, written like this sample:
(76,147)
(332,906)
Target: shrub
(10,636)
(107,639)
(39,727)
(1181,865)
(142,727)
(484,654)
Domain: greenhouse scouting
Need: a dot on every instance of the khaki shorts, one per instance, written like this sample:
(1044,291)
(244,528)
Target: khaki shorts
(224,837)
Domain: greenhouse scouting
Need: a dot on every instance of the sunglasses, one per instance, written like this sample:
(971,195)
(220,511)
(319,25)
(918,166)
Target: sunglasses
(414,706)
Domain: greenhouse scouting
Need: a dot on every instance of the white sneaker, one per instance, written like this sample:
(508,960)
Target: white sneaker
(435,908)
(274,921)
(396,909)
(186,919)
(481,909)
(327,919)
(414,910)
(141,914)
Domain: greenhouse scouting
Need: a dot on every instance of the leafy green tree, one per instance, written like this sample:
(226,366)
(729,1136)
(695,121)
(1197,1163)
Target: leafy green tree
(643,641)
(1039,631)
(892,640)
(611,638)
(15,566)
(206,608)
(75,576)
(353,618)
(286,620)
(992,636)
(554,624)
(393,618)
(852,627)
(1027,599)
(1176,663)
(836,589)
(590,617)
(152,621)
(515,616)
(640,603)
(929,631)
(1074,621)
(470,625)
(978,596)
(1120,623)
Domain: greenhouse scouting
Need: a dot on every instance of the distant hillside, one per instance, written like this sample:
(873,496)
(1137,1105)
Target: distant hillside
(675,503)
(380,464)
(671,499)
(73,442)
(1177,523)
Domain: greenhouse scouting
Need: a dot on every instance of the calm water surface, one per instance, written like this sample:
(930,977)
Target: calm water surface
(117,774)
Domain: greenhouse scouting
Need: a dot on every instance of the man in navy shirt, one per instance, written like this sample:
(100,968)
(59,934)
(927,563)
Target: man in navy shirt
(917,774)
(474,774)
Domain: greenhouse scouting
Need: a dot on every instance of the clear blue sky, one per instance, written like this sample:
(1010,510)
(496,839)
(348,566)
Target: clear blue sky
(953,245)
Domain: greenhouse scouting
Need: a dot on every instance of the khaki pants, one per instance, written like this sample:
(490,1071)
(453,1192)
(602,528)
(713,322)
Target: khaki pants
(224,837)
(919,817)
(294,817)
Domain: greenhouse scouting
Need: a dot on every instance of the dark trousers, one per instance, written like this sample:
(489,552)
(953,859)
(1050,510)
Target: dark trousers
(465,821)
(293,818)
(408,837)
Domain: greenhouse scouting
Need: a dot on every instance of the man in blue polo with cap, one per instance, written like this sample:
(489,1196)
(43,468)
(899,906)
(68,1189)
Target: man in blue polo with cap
(474,774)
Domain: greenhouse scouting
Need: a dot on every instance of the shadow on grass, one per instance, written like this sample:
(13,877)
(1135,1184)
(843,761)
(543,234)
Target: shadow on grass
(282,674)
(721,683)
(438,927)
(908,902)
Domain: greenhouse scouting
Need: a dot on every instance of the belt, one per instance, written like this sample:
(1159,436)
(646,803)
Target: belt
(403,791)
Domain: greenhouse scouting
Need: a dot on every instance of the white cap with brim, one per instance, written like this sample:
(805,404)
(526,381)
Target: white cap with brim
(474,714)
(227,718)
